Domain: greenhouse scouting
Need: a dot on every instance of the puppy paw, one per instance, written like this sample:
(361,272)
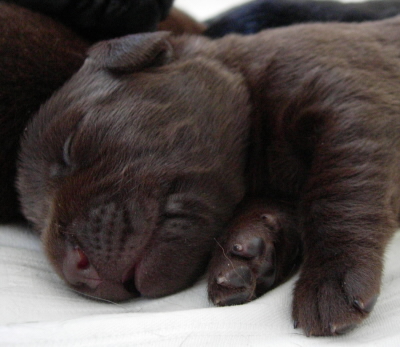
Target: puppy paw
(252,257)
(330,301)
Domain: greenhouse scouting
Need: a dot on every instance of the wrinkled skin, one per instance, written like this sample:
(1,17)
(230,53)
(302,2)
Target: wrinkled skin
(264,149)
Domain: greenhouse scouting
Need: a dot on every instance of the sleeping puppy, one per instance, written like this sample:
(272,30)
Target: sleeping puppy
(37,55)
(257,15)
(163,148)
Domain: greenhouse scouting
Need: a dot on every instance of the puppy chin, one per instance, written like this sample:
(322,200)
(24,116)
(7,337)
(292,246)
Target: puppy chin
(106,290)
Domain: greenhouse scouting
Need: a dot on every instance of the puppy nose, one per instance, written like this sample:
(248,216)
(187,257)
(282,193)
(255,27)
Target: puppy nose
(77,269)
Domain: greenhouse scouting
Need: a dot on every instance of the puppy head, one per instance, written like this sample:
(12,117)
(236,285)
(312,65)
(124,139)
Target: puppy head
(133,167)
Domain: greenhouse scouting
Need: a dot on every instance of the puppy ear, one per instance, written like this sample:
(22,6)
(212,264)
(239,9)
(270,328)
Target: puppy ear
(132,53)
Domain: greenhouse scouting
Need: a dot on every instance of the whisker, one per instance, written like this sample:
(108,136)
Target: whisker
(252,294)
(227,258)
(101,299)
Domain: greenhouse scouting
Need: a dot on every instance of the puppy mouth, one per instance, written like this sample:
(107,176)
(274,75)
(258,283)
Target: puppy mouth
(111,290)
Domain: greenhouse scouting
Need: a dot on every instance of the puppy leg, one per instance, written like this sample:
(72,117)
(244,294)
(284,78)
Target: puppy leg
(349,213)
(260,250)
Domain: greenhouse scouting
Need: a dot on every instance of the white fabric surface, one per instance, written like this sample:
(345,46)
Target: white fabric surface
(37,309)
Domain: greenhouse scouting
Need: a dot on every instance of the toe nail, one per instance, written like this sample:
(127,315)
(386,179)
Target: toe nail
(358,305)
(238,277)
(251,249)
(335,330)
(295,324)
(371,304)
(221,280)
(237,248)
(368,307)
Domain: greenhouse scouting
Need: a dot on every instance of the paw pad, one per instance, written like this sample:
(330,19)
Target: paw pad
(259,251)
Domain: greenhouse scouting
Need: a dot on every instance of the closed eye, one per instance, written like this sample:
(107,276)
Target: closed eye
(167,215)
(67,150)
(186,208)
(179,225)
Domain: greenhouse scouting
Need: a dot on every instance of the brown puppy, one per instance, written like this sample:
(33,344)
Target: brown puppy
(135,166)
(37,55)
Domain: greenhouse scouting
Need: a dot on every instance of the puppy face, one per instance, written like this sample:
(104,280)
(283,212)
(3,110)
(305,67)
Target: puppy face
(131,170)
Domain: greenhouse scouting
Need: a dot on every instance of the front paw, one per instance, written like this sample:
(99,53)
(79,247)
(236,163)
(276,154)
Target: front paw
(259,251)
(332,300)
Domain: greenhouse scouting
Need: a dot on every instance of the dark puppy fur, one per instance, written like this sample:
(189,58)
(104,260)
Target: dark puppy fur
(37,55)
(255,16)
(136,165)
(100,19)
(136,194)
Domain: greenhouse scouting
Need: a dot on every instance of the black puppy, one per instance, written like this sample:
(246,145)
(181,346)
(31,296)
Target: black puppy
(257,15)
(97,20)
(102,19)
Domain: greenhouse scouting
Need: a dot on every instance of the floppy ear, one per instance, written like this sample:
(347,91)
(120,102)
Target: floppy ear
(133,52)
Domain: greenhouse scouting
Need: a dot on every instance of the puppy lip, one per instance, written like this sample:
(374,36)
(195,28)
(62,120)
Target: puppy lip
(129,280)
(90,283)
(130,273)
(109,291)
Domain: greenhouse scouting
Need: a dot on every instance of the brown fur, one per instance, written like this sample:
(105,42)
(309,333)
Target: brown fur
(37,55)
(137,164)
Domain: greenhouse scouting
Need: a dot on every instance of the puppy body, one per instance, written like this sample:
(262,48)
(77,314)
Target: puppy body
(99,19)
(325,136)
(145,153)
(257,15)
(37,55)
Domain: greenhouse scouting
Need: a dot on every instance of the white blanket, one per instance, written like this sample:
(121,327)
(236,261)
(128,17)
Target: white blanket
(37,309)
